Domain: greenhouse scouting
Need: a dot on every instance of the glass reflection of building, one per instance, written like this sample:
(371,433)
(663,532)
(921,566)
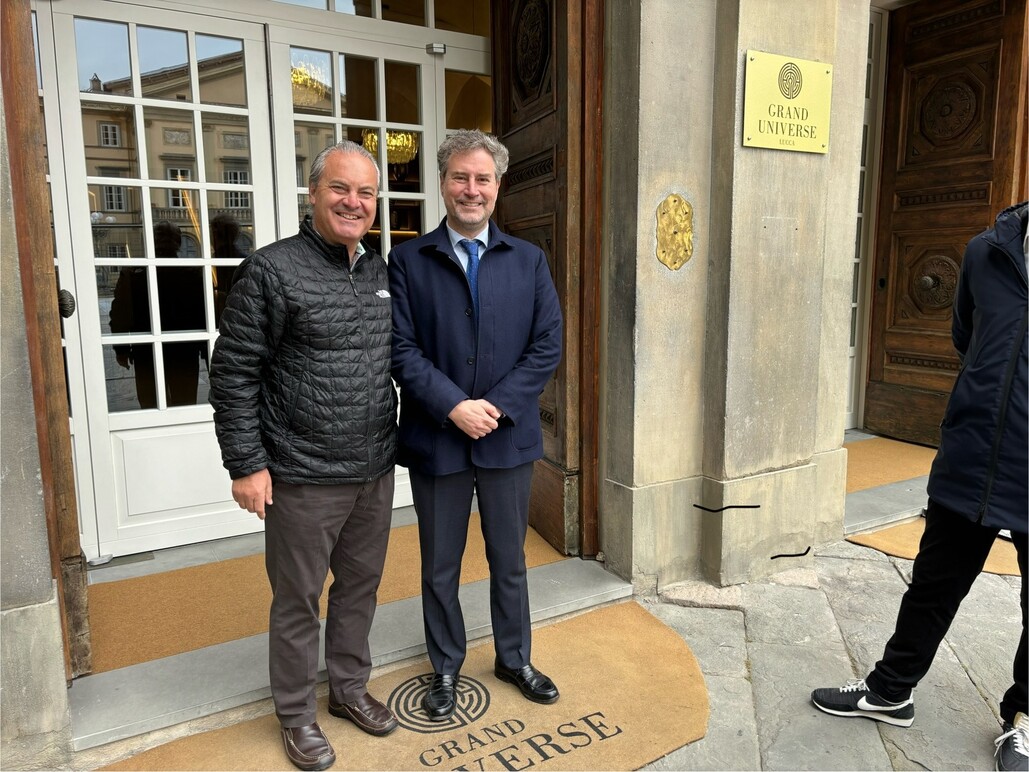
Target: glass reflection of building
(171,150)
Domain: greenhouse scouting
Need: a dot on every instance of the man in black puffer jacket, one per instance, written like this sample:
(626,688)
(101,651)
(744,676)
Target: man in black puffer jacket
(978,486)
(303,401)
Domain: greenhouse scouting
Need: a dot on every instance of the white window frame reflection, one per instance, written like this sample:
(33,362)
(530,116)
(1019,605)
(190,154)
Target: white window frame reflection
(114,198)
(178,198)
(110,134)
(236,199)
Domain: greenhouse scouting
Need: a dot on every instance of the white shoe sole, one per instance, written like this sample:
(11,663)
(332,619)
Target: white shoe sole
(904,722)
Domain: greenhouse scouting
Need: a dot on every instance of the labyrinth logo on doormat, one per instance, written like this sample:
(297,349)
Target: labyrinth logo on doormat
(406,704)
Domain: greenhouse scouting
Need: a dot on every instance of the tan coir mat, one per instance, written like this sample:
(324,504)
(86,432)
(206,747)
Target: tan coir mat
(902,540)
(879,461)
(631,692)
(149,617)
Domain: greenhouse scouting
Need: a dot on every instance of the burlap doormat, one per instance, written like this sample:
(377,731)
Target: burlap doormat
(902,540)
(879,461)
(149,617)
(631,692)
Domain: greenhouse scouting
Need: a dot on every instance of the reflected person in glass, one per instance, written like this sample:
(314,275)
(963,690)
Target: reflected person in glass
(181,306)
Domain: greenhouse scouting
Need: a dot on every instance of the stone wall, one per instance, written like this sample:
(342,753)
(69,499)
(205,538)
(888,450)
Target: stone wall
(724,382)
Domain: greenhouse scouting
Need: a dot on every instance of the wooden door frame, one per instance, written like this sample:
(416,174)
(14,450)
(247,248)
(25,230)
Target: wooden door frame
(29,196)
(590,238)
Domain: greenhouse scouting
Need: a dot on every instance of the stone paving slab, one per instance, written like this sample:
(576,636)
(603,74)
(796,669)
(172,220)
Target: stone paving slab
(703,595)
(953,729)
(850,551)
(731,739)
(820,626)
(792,733)
(985,634)
(869,591)
(715,636)
(795,616)
(954,725)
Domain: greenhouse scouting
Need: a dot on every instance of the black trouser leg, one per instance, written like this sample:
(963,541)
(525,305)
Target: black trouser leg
(950,556)
(1015,699)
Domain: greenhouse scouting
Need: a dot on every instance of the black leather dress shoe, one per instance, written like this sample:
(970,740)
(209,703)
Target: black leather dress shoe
(307,747)
(534,685)
(367,712)
(441,699)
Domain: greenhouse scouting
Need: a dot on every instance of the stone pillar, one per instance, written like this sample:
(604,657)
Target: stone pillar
(724,382)
(34,723)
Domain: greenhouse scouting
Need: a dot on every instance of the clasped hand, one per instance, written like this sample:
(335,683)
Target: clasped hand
(476,417)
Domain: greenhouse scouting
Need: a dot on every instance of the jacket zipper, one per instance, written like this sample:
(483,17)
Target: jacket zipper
(364,350)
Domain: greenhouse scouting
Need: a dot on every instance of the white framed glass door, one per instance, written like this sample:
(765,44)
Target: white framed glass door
(180,140)
(165,131)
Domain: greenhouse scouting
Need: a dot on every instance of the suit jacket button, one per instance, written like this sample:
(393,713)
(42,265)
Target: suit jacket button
(468,312)
(471,360)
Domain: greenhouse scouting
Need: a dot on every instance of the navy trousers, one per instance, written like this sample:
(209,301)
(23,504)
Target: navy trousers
(443,504)
(951,555)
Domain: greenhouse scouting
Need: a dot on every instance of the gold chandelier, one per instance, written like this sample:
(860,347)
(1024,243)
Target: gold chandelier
(309,85)
(401,146)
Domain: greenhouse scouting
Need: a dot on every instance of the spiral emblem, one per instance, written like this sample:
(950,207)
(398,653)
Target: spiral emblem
(790,80)
(406,703)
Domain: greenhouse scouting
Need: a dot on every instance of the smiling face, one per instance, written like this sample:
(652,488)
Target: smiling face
(469,188)
(344,199)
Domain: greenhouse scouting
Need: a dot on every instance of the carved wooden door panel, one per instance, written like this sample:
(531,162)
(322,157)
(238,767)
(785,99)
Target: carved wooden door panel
(953,157)
(548,194)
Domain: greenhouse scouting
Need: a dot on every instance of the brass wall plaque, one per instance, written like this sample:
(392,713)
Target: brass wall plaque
(786,103)
(674,231)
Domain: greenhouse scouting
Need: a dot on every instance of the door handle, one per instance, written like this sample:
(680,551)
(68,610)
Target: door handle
(65,303)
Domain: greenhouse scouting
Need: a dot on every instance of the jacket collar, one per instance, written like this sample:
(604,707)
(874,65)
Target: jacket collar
(1009,235)
(439,239)
(335,253)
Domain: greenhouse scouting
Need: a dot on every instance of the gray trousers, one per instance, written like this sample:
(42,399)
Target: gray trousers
(310,530)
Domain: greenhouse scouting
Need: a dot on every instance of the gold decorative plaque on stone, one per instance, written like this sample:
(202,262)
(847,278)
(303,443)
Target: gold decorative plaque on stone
(786,103)
(674,231)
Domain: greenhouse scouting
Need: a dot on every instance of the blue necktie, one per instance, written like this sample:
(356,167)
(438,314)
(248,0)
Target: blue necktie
(472,248)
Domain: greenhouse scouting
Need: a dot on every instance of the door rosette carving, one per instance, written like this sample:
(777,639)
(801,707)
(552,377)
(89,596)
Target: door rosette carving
(934,283)
(948,111)
(532,46)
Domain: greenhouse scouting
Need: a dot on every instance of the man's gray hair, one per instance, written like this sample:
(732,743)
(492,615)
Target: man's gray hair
(467,140)
(348,147)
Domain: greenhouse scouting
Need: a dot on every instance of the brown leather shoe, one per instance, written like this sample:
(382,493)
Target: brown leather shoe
(367,712)
(307,747)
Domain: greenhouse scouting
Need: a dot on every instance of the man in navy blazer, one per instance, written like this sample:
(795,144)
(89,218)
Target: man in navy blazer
(476,335)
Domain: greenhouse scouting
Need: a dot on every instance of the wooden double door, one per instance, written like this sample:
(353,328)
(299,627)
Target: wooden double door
(547,93)
(954,155)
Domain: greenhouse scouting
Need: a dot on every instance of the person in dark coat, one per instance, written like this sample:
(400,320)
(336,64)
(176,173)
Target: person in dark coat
(476,336)
(180,297)
(977,487)
(303,401)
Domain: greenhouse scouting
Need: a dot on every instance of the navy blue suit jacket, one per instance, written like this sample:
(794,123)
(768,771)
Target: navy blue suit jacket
(442,354)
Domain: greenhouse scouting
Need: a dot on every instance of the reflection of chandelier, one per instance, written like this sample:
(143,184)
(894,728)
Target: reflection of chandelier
(309,86)
(401,146)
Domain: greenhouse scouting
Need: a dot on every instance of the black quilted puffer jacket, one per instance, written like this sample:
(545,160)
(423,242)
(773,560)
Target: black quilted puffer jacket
(300,376)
